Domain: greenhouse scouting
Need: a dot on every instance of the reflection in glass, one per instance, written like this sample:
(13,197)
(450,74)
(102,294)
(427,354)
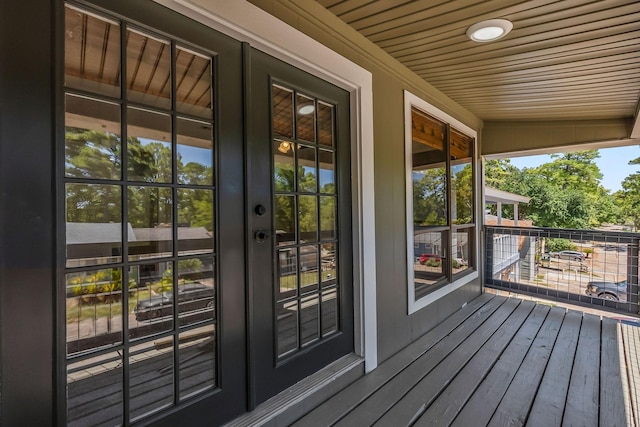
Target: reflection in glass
(149,152)
(325,124)
(327,172)
(305,118)
(308,218)
(150,298)
(429,260)
(197,360)
(284,209)
(287,273)
(150,215)
(308,268)
(329,311)
(150,377)
(282,105)
(93,224)
(193,84)
(148,70)
(309,319)
(196,290)
(195,152)
(93,309)
(95,391)
(91,53)
(195,221)
(460,251)
(284,177)
(287,326)
(306,169)
(92,138)
(328,218)
(329,264)
(462,197)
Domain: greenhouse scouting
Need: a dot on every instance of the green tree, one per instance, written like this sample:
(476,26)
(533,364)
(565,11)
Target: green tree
(629,198)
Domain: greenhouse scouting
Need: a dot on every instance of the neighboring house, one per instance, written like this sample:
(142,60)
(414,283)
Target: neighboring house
(513,256)
(305,144)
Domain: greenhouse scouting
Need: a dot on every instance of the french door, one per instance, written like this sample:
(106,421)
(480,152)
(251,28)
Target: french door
(299,225)
(205,198)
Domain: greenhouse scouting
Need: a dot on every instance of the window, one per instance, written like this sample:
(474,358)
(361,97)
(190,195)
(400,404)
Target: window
(139,191)
(441,202)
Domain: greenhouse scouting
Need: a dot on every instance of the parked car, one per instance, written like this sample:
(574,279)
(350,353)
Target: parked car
(191,296)
(607,290)
(569,255)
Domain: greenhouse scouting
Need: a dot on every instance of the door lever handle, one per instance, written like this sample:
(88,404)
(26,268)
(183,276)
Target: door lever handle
(261,236)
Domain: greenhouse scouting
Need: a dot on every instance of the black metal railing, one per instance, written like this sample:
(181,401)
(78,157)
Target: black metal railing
(585,267)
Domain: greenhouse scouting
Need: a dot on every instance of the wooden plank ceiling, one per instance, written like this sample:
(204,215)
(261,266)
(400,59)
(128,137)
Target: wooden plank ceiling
(572,59)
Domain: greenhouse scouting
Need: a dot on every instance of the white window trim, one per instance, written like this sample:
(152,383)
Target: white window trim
(410,100)
(248,23)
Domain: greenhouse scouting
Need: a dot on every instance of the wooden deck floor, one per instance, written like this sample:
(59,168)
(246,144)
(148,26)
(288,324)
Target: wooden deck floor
(500,362)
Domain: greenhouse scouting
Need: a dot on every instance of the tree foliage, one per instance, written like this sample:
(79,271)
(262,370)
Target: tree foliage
(565,193)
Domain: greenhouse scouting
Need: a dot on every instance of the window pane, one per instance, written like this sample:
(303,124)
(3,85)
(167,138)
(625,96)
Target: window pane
(287,274)
(284,176)
(305,118)
(287,323)
(329,311)
(197,360)
(285,219)
(94,309)
(195,152)
(282,105)
(329,264)
(309,319)
(149,146)
(148,70)
(93,224)
(461,150)
(151,377)
(92,138)
(327,172)
(196,290)
(325,124)
(307,169)
(461,250)
(328,218)
(95,391)
(308,218)
(150,217)
(195,221)
(193,84)
(429,260)
(308,268)
(150,299)
(91,53)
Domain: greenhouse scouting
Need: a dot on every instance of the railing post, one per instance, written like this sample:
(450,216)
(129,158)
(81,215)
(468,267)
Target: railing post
(488,253)
(632,276)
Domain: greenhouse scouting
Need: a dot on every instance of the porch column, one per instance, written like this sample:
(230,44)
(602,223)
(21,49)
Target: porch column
(499,213)
(515,214)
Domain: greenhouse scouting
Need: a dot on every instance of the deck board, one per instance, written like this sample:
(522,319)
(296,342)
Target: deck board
(500,361)
(612,405)
(386,396)
(583,396)
(357,392)
(422,395)
(450,402)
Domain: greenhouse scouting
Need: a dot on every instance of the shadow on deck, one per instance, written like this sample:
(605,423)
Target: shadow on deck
(500,361)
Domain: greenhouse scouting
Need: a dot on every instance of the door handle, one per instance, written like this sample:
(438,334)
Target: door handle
(260,210)
(261,236)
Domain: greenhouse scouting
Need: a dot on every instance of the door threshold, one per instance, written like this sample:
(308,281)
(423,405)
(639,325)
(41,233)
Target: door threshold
(292,403)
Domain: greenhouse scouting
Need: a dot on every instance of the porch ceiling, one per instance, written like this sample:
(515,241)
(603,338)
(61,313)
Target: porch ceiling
(575,59)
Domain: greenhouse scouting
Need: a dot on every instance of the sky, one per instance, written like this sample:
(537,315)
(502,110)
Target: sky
(613,164)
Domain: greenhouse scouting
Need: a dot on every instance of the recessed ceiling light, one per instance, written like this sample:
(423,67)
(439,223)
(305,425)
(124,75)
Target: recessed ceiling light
(306,109)
(490,30)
